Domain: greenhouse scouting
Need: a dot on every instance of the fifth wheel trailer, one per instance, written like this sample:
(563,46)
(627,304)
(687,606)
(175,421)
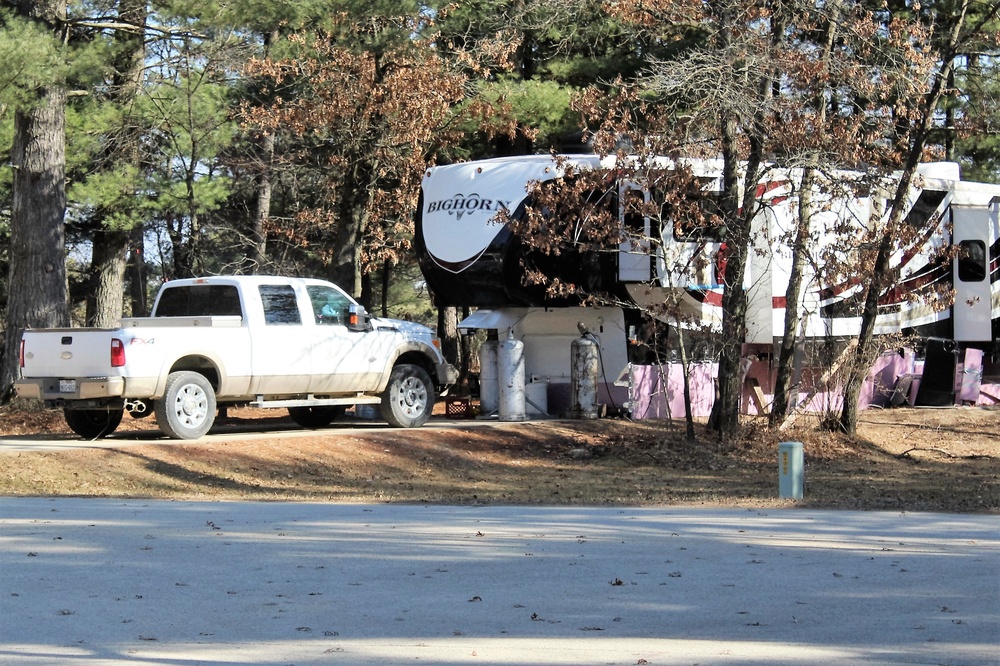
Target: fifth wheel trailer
(470,257)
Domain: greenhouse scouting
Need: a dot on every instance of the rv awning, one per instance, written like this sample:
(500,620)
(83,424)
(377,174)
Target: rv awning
(489,319)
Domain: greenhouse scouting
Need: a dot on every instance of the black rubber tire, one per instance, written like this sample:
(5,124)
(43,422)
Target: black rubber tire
(92,423)
(409,398)
(187,408)
(316,417)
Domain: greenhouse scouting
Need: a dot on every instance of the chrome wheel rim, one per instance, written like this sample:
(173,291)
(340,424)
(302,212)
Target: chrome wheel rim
(412,397)
(191,405)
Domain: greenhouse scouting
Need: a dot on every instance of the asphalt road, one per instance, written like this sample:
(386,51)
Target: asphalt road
(92,582)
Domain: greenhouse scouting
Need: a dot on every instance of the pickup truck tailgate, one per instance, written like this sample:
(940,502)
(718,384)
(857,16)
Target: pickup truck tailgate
(67,352)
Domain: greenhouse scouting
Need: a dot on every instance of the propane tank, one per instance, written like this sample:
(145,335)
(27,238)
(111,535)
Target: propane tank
(489,387)
(584,372)
(510,370)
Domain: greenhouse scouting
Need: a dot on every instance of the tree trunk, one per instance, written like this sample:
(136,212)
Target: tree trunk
(367,295)
(738,213)
(448,332)
(468,352)
(863,353)
(37,282)
(726,410)
(386,283)
(193,253)
(137,276)
(258,235)
(686,372)
(106,303)
(182,249)
(265,185)
(351,226)
(346,267)
(783,389)
(881,275)
(949,119)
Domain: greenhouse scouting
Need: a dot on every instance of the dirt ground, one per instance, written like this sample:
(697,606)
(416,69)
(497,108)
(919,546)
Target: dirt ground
(902,459)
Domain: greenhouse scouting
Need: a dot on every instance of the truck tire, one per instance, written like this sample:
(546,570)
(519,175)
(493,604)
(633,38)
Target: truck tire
(92,423)
(409,398)
(316,417)
(187,408)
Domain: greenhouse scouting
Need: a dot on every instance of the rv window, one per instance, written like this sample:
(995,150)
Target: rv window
(633,205)
(972,261)
(924,208)
(709,228)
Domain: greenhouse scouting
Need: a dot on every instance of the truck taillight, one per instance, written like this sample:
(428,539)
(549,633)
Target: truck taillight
(21,354)
(117,353)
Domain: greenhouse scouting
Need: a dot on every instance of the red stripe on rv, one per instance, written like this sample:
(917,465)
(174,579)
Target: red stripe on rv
(706,297)
(770,186)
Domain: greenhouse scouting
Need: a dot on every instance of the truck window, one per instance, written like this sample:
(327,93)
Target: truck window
(329,305)
(199,300)
(280,304)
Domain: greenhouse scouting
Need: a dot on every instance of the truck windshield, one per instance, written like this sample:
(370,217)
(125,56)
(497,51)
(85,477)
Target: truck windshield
(199,300)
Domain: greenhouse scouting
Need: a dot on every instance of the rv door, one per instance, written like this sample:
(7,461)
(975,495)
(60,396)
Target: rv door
(634,261)
(970,272)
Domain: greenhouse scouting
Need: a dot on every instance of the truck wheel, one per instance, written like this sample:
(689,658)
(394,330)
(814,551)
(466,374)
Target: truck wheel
(92,423)
(409,398)
(316,417)
(187,408)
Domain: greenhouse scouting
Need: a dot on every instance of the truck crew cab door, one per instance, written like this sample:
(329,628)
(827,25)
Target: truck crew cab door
(281,360)
(344,360)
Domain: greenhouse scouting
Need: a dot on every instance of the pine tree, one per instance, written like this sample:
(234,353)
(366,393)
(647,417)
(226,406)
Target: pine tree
(37,280)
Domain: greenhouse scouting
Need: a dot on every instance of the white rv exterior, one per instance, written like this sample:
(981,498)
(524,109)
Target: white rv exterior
(949,212)
(471,259)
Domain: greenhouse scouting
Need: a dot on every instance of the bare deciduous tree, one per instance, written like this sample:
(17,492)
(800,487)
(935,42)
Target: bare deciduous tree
(379,114)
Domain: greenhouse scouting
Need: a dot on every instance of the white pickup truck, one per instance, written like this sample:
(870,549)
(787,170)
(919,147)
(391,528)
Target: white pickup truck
(295,343)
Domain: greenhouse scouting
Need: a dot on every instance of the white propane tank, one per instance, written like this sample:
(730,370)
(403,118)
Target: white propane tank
(489,386)
(510,368)
(584,372)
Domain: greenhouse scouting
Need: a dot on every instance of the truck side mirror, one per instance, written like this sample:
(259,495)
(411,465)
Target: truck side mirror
(357,318)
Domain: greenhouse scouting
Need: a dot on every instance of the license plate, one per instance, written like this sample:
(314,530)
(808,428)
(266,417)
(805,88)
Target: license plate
(67,386)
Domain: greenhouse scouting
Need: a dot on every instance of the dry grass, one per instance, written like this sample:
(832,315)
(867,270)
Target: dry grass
(905,459)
